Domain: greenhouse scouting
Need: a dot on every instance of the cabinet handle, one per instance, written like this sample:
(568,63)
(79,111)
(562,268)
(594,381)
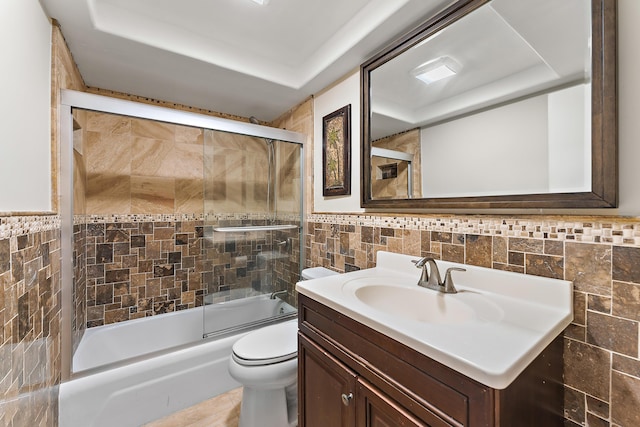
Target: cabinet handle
(346,398)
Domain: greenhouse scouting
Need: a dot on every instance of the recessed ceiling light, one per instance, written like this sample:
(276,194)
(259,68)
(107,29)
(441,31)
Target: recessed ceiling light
(436,69)
(261,2)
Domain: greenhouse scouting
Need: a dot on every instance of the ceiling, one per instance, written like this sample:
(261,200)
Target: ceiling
(231,56)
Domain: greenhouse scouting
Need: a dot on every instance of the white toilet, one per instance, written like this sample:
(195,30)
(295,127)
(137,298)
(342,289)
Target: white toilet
(265,362)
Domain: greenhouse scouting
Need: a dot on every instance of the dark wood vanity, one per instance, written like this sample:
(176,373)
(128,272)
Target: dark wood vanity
(352,375)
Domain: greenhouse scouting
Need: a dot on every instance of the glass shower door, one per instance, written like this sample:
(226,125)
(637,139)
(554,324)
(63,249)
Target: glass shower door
(253,219)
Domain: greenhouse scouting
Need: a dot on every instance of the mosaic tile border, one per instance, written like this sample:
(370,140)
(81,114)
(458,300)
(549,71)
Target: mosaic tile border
(11,226)
(623,231)
(137,218)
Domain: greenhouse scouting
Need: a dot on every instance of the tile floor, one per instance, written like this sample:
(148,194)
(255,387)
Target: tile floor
(220,411)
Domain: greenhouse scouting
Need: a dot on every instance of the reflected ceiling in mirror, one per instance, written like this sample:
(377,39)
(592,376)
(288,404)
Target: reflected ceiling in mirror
(510,103)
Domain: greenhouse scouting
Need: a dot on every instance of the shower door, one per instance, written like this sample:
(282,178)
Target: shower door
(251,235)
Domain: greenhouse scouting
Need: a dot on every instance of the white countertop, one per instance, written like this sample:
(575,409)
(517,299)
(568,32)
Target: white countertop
(517,315)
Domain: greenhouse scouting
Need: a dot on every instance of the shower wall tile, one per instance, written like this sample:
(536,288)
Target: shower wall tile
(186,161)
(108,153)
(236,180)
(188,195)
(152,194)
(300,119)
(109,124)
(150,155)
(152,129)
(136,166)
(107,192)
(79,166)
(602,348)
(153,264)
(80,274)
(189,135)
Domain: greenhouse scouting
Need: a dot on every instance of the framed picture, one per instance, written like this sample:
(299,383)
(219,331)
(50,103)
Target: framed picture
(336,152)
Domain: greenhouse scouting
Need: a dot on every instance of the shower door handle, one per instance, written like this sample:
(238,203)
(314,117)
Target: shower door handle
(346,398)
(284,244)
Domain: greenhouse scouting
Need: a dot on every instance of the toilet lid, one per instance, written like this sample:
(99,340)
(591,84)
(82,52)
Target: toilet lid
(271,344)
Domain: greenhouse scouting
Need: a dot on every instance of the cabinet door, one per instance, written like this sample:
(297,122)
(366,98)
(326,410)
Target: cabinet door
(375,409)
(326,388)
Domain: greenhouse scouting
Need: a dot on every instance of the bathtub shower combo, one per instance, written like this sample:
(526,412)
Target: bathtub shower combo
(181,235)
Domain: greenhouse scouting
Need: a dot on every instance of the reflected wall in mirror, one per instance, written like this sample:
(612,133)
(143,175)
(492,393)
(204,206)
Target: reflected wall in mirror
(399,153)
(495,103)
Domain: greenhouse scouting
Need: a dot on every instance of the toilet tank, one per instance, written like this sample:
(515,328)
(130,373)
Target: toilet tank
(316,273)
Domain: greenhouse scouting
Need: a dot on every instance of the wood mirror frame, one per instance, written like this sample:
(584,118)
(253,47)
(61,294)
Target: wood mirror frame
(604,145)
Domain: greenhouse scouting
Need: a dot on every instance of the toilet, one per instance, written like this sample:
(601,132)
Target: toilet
(265,362)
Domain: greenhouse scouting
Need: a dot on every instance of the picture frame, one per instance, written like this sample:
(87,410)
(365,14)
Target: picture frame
(336,153)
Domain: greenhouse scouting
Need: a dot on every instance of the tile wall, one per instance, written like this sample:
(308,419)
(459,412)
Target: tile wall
(30,315)
(600,256)
(300,119)
(136,166)
(139,266)
(79,291)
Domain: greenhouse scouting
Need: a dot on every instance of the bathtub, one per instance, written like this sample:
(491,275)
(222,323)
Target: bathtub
(130,373)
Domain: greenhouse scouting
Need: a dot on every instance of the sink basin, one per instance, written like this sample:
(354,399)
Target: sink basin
(426,305)
(416,304)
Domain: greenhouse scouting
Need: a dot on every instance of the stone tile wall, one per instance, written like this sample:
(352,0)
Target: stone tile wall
(30,315)
(79,316)
(300,119)
(136,166)
(601,257)
(140,266)
(135,269)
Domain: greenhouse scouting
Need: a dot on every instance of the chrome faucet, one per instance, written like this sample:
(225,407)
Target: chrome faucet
(431,278)
(276,293)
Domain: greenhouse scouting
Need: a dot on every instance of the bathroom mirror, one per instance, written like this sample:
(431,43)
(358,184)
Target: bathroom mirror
(495,104)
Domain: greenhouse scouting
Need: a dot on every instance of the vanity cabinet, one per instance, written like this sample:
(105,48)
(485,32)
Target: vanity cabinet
(351,375)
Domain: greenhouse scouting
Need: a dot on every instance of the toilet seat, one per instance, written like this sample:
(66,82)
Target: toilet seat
(268,345)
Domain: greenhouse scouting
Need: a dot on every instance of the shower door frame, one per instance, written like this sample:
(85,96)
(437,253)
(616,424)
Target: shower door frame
(70,99)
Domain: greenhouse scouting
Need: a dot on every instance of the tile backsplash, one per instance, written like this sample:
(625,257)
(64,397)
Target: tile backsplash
(600,256)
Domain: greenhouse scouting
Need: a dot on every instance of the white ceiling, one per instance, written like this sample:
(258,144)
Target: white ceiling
(232,56)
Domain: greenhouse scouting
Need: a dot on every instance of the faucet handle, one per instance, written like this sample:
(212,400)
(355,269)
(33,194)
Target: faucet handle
(449,288)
